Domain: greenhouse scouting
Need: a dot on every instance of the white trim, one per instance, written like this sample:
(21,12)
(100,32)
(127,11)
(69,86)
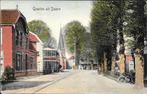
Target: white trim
(51,60)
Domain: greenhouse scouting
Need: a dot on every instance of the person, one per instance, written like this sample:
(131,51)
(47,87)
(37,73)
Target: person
(99,69)
(59,68)
(116,69)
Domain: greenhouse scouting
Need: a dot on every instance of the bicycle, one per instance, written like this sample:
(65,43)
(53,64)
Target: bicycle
(127,78)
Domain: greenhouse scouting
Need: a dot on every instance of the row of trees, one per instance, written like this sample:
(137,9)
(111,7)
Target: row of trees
(102,19)
(111,21)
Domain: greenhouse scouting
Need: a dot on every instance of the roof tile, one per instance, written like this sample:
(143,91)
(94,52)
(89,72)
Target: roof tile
(9,16)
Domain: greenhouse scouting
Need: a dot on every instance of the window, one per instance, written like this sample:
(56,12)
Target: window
(26,43)
(17,37)
(53,53)
(49,53)
(21,38)
(31,62)
(18,61)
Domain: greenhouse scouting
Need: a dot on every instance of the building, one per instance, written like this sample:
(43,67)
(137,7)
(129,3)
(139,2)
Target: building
(61,49)
(32,56)
(71,62)
(16,47)
(39,49)
(51,61)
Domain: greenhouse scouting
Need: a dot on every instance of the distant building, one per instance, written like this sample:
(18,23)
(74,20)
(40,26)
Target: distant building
(18,51)
(51,61)
(39,49)
(71,62)
(32,56)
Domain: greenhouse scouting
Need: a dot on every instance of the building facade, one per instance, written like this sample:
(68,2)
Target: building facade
(51,61)
(32,56)
(39,49)
(16,45)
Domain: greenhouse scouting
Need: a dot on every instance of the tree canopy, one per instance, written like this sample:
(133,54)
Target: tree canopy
(75,38)
(102,18)
(41,29)
(103,26)
(74,35)
(134,21)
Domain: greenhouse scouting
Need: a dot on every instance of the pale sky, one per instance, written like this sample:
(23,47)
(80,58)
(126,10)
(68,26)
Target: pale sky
(67,11)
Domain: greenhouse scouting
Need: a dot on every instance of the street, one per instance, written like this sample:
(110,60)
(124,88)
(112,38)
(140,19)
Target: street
(72,82)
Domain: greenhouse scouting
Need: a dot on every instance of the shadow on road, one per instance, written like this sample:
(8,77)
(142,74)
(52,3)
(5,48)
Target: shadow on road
(22,84)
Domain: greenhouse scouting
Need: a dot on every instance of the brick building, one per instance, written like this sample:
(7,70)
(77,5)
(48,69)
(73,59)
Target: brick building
(18,51)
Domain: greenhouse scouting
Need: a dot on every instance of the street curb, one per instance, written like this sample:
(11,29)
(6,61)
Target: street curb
(111,77)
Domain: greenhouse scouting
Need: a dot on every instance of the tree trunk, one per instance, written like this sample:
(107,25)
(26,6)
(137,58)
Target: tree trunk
(76,55)
(139,76)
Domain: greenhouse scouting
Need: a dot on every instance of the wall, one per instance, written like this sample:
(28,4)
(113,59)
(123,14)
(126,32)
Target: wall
(7,45)
(40,57)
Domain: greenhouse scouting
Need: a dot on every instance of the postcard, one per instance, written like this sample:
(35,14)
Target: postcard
(73,47)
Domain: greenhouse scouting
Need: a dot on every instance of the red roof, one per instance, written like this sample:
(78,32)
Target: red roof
(9,16)
(32,37)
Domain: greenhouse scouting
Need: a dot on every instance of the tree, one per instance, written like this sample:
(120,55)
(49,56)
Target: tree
(103,28)
(134,19)
(120,17)
(75,38)
(87,53)
(41,29)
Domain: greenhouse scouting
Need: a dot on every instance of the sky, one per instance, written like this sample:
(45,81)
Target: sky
(56,14)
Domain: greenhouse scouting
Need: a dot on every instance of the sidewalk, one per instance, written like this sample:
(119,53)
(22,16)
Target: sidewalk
(39,75)
(113,77)
(28,77)
(32,84)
